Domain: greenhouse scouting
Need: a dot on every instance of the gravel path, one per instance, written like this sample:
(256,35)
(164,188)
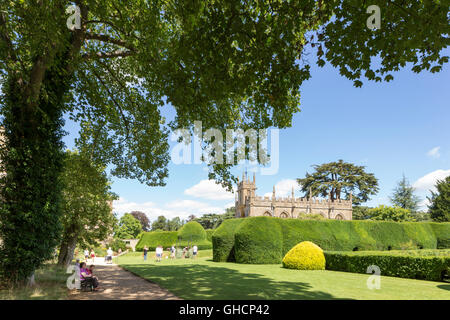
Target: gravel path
(119,284)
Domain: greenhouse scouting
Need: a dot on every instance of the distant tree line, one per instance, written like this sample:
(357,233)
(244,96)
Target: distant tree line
(338,180)
(132,224)
(406,205)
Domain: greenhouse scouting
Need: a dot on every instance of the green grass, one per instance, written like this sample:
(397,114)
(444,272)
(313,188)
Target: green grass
(205,279)
(50,285)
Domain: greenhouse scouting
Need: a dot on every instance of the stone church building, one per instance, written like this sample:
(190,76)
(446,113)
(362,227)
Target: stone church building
(248,204)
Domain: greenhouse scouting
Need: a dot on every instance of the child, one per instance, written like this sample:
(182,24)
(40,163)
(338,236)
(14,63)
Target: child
(145,253)
(92,255)
(86,274)
(94,278)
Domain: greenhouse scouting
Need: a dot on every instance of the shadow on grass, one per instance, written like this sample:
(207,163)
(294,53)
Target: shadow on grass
(444,286)
(205,282)
(50,285)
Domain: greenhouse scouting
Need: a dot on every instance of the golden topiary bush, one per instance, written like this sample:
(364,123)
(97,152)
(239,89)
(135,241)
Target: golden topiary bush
(305,256)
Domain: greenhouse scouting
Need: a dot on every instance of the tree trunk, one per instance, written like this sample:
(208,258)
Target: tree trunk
(66,251)
(31,281)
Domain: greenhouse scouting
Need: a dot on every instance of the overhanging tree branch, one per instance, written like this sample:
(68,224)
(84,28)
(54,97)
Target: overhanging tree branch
(124,118)
(106,55)
(106,38)
(4,37)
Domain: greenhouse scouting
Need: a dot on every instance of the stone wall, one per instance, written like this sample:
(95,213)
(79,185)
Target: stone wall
(248,204)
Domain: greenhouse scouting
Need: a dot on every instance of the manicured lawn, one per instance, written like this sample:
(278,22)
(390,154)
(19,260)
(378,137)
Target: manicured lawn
(205,279)
(50,285)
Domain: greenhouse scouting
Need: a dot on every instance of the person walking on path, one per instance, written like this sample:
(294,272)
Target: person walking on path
(145,253)
(159,252)
(92,255)
(172,252)
(194,251)
(86,254)
(109,255)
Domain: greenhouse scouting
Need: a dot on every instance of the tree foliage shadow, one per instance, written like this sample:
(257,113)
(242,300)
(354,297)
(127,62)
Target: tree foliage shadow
(444,286)
(193,281)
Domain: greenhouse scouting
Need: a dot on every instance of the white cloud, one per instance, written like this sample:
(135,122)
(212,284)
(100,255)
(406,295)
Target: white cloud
(179,208)
(428,181)
(194,207)
(229,205)
(122,206)
(208,189)
(423,205)
(283,188)
(434,153)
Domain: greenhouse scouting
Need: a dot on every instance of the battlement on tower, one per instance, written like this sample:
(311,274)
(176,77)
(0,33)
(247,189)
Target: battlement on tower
(250,204)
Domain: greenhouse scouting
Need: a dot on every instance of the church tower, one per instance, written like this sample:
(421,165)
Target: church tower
(245,195)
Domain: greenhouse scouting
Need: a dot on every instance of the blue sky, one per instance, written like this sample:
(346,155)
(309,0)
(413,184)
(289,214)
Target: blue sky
(391,128)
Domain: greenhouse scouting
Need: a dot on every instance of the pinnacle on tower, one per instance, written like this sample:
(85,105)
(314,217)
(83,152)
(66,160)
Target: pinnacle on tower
(273,194)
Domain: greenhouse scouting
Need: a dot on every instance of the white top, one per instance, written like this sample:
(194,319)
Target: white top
(159,250)
(109,252)
(195,248)
(86,252)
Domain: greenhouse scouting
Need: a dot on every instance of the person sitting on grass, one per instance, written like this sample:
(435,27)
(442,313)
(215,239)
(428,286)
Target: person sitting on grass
(86,275)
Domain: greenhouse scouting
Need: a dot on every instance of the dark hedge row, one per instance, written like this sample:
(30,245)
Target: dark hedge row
(442,232)
(156,238)
(223,240)
(394,264)
(262,240)
(191,233)
(209,234)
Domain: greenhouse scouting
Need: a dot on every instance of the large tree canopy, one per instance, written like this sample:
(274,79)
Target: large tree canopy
(439,207)
(86,204)
(404,196)
(336,179)
(231,64)
(143,219)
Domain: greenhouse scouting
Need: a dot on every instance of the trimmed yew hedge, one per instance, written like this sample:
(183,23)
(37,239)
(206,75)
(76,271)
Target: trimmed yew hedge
(262,240)
(259,241)
(393,264)
(442,232)
(155,238)
(191,233)
(209,233)
(223,240)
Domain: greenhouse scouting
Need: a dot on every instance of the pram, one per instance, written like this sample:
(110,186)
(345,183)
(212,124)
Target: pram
(108,259)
